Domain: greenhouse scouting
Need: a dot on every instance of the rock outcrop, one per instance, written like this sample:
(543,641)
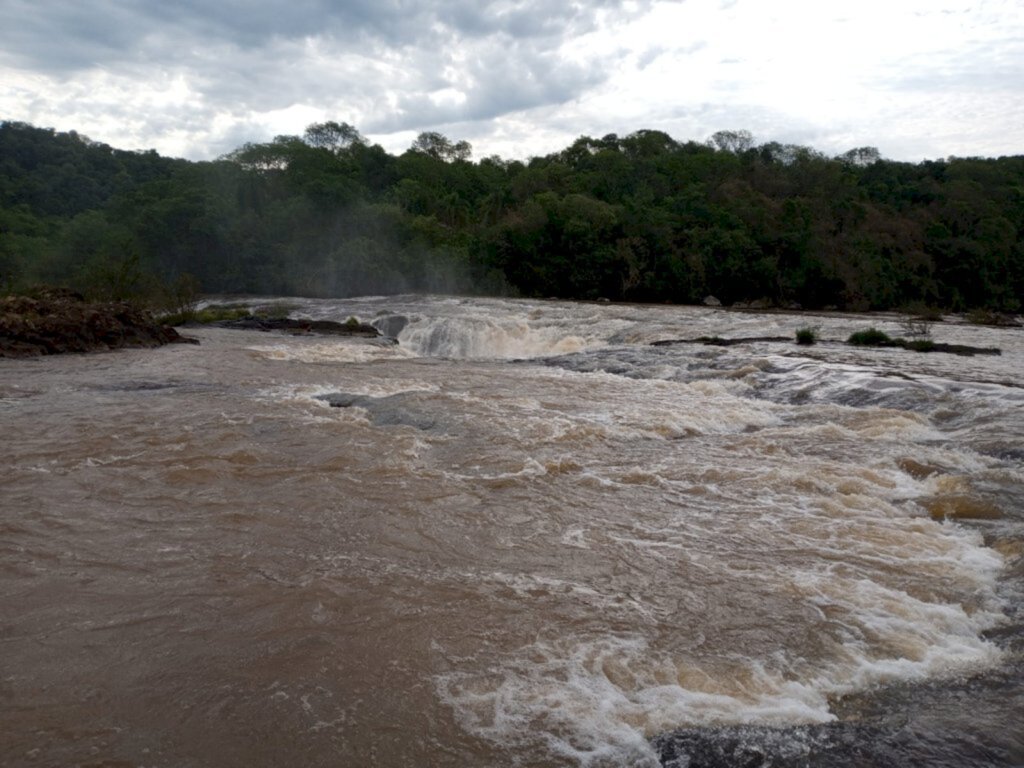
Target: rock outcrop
(56,321)
(292,325)
(390,325)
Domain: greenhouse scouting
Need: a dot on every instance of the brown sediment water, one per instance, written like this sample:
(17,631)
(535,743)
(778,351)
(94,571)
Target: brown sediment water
(524,536)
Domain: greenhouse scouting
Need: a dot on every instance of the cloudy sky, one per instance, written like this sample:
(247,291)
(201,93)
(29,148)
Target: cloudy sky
(197,78)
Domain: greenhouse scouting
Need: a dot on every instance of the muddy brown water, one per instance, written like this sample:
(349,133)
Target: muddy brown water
(529,539)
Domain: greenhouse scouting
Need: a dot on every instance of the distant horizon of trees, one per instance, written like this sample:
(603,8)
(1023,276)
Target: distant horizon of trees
(642,217)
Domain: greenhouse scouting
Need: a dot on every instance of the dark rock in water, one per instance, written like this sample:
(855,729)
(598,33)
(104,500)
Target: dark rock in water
(402,409)
(390,325)
(717,341)
(760,746)
(342,400)
(896,740)
(293,325)
(754,304)
(963,350)
(1003,451)
(56,321)
(339,329)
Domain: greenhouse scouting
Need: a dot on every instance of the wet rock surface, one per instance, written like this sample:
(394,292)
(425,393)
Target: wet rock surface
(58,321)
(403,409)
(955,723)
(838,745)
(715,341)
(391,325)
(293,325)
(920,345)
(757,746)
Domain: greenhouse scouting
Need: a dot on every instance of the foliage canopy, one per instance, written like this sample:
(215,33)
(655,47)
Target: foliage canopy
(642,217)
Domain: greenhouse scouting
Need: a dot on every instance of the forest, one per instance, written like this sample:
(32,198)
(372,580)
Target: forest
(642,217)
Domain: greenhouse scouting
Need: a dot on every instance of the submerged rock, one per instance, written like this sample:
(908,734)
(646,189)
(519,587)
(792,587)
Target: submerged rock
(406,409)
(57,321)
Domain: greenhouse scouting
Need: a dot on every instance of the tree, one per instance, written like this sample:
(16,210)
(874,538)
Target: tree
(860,156)
(640,216)
(332,136)
(648,143)
(264,158)
(440,147)
(736,142)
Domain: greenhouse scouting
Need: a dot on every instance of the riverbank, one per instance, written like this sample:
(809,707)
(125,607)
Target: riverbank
(57,321)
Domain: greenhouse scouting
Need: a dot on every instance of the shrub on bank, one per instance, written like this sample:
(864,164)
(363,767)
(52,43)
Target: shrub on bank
(871,337)
(806,336)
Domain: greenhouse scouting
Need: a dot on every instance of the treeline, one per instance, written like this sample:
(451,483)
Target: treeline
(641,217)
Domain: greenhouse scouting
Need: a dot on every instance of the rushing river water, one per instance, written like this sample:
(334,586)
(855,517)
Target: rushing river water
(530,538)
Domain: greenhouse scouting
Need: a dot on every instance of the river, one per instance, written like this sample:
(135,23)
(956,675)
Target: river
(529,538)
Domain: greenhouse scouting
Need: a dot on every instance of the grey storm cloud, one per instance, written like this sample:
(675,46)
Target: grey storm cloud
(65,35)
(383,60)
(496,81)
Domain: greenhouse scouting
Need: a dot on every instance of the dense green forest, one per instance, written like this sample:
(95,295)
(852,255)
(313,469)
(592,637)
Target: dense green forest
(641,218)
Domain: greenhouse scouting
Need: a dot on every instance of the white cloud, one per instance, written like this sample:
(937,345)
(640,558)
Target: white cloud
(521,77)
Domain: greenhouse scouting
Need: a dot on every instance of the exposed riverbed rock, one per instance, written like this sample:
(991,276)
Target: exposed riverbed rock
(407,409)
(56,321)
(299,326)
(920,345)
(716,341)
(759,746)
(391,325)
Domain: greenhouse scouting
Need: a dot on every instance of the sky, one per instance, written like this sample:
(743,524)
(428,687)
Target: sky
(918,79)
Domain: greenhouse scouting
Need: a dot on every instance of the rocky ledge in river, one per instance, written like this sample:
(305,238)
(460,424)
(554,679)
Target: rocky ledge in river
(296,326)
(55,321)
(913,345)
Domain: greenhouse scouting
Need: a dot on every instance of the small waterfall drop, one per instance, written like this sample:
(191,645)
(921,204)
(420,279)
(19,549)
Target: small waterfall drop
(467,337)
